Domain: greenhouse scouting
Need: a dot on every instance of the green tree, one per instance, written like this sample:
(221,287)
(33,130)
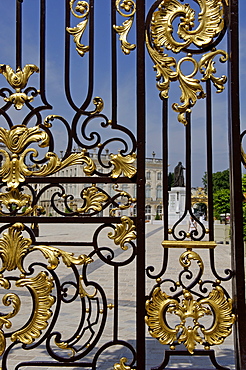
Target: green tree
(221,202)
(220,180)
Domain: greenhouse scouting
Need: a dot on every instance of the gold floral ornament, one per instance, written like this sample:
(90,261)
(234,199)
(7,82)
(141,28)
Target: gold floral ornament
(123,233)
(14,170)
(130,7)
(93,200)
(160,38)
(18,81)
(14,200)
(122,365)
(77,32)
(8,299)
(216,305)
(123,165)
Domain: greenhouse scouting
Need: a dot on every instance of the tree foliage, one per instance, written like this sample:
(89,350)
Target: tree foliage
(220,180)
(221,202)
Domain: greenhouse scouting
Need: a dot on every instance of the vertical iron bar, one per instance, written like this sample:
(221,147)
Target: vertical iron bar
(116,303)
(140,19)
(42,51)
(236,189)
(18,34)
(165,165)
(114,64)
(188,162)
(210,211)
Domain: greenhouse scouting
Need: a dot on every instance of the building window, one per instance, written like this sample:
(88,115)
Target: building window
(148,212)
(148,188)
(158,175)
(159,210)
(159,192)
(148,175)
(135,210)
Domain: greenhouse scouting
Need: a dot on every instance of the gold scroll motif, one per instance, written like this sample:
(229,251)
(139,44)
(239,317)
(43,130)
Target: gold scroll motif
(14,170)
(14,200)
(126,195)
(18,81)
(13,248)
(122,365)
(123,30)
(160,306)
(93,200)
(211,23)
(77,32)
(216,304)
(123,233)
(123,165)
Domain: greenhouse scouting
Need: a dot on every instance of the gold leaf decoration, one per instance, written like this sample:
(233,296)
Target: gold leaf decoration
(15,198)
(190,87)
(123,165)
(13,248)
(18,80)
(186,257)
(93,199)
(41,287)
(122,365)
(82,292)
(206,66)
(128,6)
(53,254)
(123,233)
(8,299)
(216,304)
(77,32)
(65,345)
(210,19)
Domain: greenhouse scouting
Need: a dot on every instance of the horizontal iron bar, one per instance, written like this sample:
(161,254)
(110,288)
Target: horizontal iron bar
(62,220)
(188,244)
(79,180)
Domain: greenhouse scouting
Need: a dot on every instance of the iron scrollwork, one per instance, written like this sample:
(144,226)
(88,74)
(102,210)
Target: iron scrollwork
(159,40)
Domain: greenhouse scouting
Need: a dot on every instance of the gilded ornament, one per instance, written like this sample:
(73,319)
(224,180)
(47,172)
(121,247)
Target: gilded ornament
(93,200)
(53,254)
(186,257)
(206,66)
(77,32)
(8,299)
(122,365)
(64,345)
(123,30)
(216,305)
(123,233)
(14,169)
(14,198)
(82,292)
(41,287)
(13,248)
(123,165)
(18,81)
(210,18)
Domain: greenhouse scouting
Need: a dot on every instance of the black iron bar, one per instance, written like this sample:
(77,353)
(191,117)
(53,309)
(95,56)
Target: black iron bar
(18,34)
(114,96)
(237,254)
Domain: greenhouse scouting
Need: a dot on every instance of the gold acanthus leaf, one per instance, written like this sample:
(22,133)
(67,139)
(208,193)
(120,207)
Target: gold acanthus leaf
(13,248)
(93,199)
(53,254)
(216,304)
(128,6)
(190,87)
(41,287)
(8,299)
(19,137)
(77,32)
(210,19)
(206,66)
(19,200)
(14,170)
(123,194)
(186,257)
(122,365)
(123,165)
(224,318)
(18,80)
(123,233)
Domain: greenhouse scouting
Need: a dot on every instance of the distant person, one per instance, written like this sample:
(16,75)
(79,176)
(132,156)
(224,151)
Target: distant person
(192,225)
(179,175)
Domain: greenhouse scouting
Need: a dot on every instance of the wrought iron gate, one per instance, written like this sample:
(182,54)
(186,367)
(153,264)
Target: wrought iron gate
(73,158)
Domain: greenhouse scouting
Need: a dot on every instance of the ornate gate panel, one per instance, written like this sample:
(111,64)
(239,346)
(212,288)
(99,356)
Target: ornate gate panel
(72,136)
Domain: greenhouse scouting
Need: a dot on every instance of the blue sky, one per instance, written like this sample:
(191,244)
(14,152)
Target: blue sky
(126,79)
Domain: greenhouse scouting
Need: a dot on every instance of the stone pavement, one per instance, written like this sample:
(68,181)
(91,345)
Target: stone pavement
(103,274)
